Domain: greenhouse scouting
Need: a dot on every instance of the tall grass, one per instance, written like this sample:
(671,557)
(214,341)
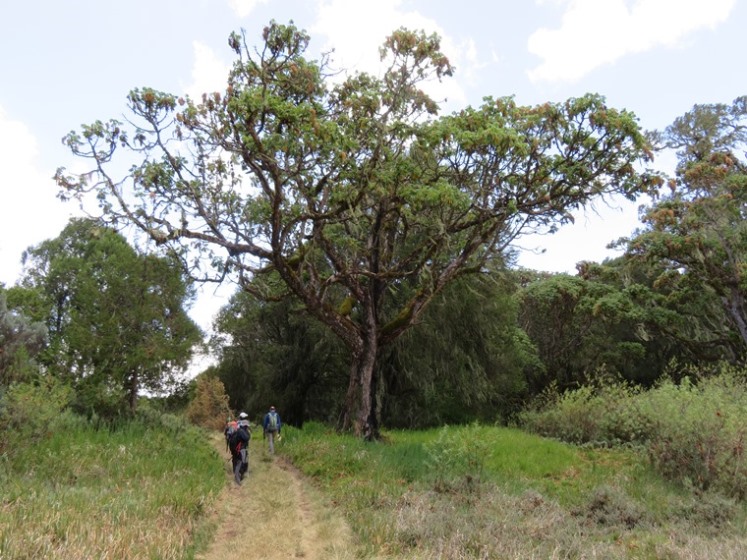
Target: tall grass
(489,492)
(136,491)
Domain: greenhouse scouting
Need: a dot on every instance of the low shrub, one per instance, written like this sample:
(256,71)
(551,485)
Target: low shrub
(602,414)
(455,458)
(699,433)
(30,412)
(693,431)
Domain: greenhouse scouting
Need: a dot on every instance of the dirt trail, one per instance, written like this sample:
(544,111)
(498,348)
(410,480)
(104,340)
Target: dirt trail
(274,515)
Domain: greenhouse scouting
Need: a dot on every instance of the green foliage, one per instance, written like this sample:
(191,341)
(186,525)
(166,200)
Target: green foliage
(456,453)
(697,235)
(466,361)
(603,413)
(693,433)
(271,353)
(698,435)
(30,413)
(21,340)
(362,187)
(116,318)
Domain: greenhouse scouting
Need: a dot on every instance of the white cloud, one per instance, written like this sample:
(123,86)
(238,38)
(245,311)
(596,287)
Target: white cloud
(243,8)
(29,212)
(209,72)
(598,32)
(356,30)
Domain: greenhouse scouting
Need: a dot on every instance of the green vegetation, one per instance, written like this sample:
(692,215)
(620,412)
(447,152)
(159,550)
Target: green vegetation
(370,202)
(378,293)
(116,319)
(491,492)
(135,490)
(141,489)
(693,431)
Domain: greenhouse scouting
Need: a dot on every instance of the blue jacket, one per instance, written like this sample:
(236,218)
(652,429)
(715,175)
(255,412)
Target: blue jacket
(266,422)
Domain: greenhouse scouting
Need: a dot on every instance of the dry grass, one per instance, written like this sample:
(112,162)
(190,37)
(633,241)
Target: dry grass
(67,525)
(132,494)
(274,515)
(496,525)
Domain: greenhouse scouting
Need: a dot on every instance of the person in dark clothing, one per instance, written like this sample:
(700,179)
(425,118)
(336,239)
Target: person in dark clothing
(239,445)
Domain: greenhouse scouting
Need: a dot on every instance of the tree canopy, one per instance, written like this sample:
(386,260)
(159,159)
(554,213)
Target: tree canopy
(343,193)
(697,234)
(116,318)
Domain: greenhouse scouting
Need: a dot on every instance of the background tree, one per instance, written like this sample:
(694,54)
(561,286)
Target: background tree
(209,406)
(467,361)
(116,318)
(698,234)
(580,325)
(341,193)
(272,352)
(615,318)
(21,340)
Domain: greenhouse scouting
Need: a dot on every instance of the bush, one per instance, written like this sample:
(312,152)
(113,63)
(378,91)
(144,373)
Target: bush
(455,456)
(602,414)
(699,433)
(30,411)
(209,408)
(694,433)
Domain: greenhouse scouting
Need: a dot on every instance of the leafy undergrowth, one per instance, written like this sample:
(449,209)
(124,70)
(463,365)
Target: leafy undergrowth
(693,432)
(488,492)
(134,492)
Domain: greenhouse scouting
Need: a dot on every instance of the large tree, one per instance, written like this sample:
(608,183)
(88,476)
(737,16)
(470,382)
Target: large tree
(341,193)
(116,318)
(698,234)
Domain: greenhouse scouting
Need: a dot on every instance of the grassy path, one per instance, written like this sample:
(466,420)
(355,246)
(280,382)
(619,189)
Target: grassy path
(274,515)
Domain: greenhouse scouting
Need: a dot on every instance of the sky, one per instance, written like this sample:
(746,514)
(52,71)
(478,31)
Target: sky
(68,63)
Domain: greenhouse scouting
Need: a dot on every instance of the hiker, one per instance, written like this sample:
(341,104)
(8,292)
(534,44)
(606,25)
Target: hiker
(239,445)
(271,426)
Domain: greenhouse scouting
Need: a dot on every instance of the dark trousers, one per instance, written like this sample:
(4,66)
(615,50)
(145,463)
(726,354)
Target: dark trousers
(240,465)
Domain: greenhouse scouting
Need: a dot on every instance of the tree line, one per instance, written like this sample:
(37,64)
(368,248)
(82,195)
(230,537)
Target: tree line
(370,239)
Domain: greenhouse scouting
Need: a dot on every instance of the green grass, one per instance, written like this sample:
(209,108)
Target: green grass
(135,492)
(142,491)
(477,491)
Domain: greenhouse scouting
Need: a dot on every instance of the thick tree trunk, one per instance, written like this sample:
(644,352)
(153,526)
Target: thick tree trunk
(360,412)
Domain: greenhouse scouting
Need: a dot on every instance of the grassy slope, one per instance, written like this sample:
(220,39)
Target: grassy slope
(130,493)
(484,492)
(478,492)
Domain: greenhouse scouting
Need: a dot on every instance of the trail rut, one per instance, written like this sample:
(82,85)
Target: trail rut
(274,515)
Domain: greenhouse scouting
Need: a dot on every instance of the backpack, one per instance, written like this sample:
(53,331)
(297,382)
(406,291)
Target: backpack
(272,424)
(233,442)
(231,429)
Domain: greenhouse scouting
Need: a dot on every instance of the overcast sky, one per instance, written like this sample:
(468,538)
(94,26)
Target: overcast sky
(67,63)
